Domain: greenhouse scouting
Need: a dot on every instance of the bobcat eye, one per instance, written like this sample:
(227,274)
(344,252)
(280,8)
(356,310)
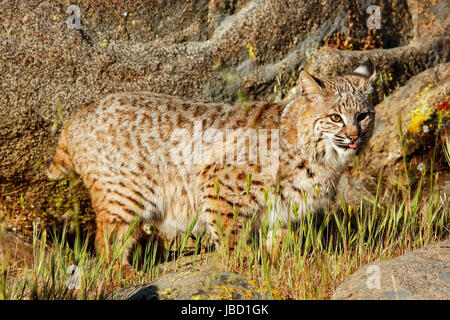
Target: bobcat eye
(362,116)
(335,118)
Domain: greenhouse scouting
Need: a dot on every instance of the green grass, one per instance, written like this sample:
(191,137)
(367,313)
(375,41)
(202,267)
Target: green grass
(404,213)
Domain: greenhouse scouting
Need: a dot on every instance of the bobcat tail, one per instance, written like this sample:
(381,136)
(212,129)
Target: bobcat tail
(60,165)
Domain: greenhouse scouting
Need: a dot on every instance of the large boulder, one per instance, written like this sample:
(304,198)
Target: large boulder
(420,275)
(199,285)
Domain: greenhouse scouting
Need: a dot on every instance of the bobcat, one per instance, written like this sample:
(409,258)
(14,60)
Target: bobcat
(123,147)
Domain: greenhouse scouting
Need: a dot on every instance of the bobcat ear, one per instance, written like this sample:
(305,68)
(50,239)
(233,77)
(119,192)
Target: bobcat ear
(367,72)
(310,85)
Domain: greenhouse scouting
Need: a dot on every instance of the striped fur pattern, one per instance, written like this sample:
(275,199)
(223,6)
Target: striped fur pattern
(120,145)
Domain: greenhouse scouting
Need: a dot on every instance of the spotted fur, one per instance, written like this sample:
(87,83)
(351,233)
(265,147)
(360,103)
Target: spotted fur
(121,147)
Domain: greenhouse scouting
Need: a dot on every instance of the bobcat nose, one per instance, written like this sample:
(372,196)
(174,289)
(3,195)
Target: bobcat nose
(353,137)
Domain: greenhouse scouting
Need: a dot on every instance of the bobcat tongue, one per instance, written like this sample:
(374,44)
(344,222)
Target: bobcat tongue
(352,145)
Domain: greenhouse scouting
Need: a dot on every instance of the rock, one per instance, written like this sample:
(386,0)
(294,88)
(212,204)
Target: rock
(198,285)
(428,47)
(422,274)
(15,250)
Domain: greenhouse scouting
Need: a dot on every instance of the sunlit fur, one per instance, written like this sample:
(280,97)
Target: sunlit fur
(120,145)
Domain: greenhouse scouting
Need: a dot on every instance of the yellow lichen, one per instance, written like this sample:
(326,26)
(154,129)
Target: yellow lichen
(251,51)
(416,122)
(225,288)
(428,87)
(265,290)
(168,292)
(226,296)
(248,293)
(226,292)
(422,112)
(253,282)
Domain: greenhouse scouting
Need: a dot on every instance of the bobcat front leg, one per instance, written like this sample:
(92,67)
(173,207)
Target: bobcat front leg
(225,222)
(112,237)
(118,228)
